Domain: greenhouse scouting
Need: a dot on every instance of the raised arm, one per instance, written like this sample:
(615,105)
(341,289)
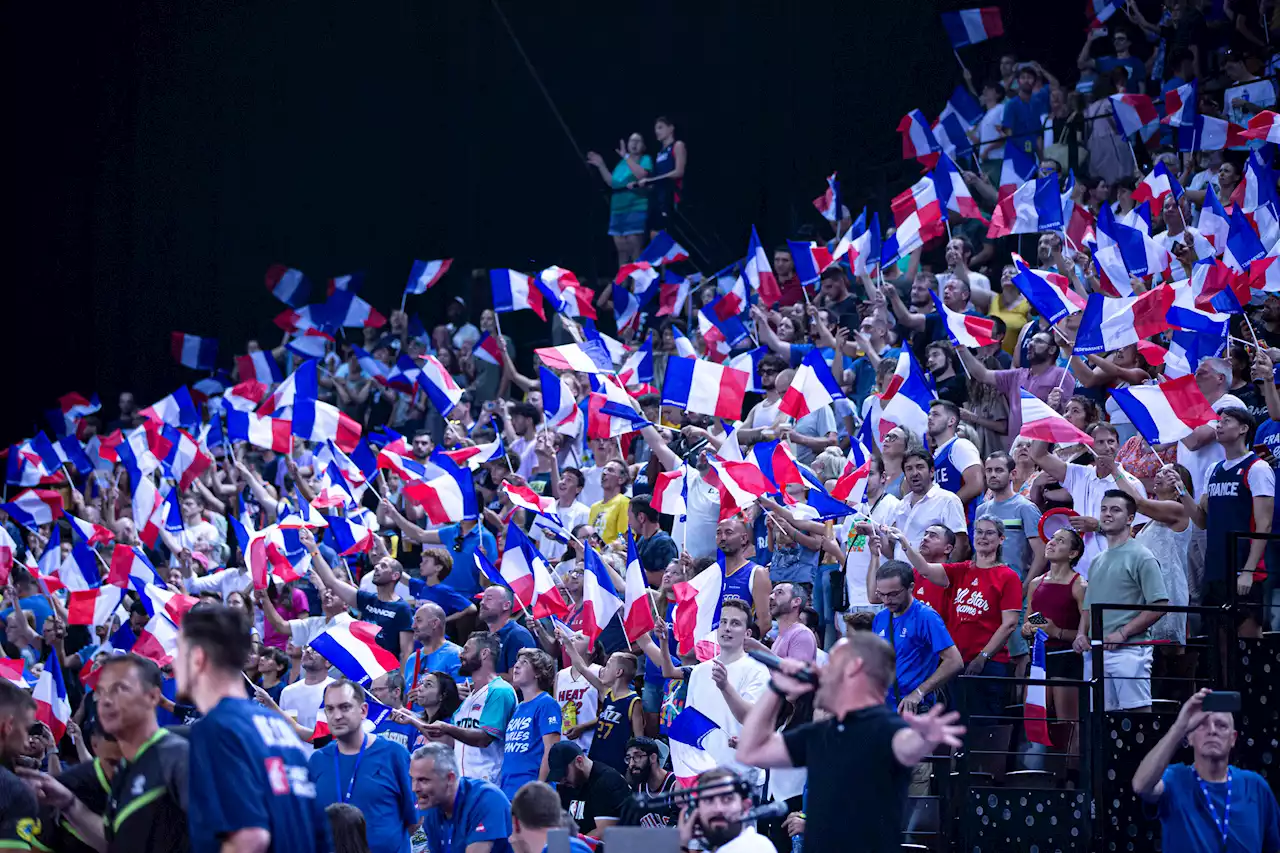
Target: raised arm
(767,335)
(933,571)
(1050,464)
(1148,780)
(914,322)
(340,587)
(977,370)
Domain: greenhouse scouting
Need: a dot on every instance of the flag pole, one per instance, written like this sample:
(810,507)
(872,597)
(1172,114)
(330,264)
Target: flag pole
(403,298)
(956,53)
(1251,331)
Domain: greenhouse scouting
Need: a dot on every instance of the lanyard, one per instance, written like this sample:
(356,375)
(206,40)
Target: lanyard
(337,771)
(893,645)
(1213,811)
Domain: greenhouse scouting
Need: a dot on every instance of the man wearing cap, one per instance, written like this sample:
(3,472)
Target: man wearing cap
(592,792)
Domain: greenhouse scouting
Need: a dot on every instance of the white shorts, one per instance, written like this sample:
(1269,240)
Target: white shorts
(1126,679)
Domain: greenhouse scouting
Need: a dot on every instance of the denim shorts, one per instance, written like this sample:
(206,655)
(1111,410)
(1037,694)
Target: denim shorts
(626,223)
(651,697)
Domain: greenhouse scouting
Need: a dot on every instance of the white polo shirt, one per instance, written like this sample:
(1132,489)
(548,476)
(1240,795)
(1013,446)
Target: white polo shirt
(913,516)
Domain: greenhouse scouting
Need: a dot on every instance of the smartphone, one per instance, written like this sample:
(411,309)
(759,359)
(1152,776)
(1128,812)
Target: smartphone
(1222,701)
(1037,619)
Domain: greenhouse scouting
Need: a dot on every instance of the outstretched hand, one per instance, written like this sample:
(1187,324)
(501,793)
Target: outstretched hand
(937,726)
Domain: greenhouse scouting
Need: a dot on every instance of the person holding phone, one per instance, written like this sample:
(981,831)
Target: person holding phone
(1208,804)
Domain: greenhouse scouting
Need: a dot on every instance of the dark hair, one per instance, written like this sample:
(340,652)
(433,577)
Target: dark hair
(797,591)
(221,632)
(647,745)
(1000,454)
(356,690)
(776,362)
(526,410)
(278,657)
(641,506)
(1239,415)
(917,453)
(485,640)
(1129,502)
(537,806)
(1186,479)
(1101,426)
(737,604)
(139,609)
(1089,406)
(346,824)
(450,701)
(877,657)
(420,433)
(664,120)
(948,534)
(1077,544)
(576,474)
(897,569)
(647,400)
(835,273)
(544,668)
(952,409)
(995,84)
(13,698)
(148,673)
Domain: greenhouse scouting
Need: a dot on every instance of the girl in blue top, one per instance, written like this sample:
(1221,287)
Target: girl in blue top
(628,207)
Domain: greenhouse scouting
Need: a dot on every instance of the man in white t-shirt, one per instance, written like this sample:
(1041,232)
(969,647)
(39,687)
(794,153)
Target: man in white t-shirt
(302,699)
(725,687)
(572,512)
(857,561)
(1086,485)
(1199,452)
(925,504)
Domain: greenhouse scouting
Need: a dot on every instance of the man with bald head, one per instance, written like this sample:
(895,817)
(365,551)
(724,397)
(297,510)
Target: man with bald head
(861,732)
(743,577)
(1207,805)
(495,612)
(434,652)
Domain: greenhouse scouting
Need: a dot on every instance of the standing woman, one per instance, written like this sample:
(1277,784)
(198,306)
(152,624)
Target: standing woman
(628,208)
(1058,596)
(667,178)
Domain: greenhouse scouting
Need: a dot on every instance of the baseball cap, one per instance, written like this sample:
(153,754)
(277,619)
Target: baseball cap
(562,754)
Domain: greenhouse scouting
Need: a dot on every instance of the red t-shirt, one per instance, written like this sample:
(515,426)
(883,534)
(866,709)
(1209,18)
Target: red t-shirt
(931,594)
(977,602)
(792,292)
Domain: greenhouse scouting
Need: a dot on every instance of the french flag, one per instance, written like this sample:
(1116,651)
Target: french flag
(1218,289)
(775,460)
(351,537)
(963,329)
(1035,706)
(260,366)
(265,432)
(1243,245)
(1158,183)
(1265,126)
(443,392)
(591,356)
(345,309)
(953,193)
(970,26)
(672,293)
(638,367)
(687,735)
(607,419)
(663,249)
(1210,134)
(1188,349)
(79,570)
(406,469)
(643,273)
(288,285)
(1257,197)
(558,404)
(697,605)
(351,282)
(1132,113)
(446,498)
(758,274)
(637,614)
(1034,206)
(309,343)
(1214,223)
(918,141)
(1040,421)
(525,571)
(11,670)
(576,300)
(741,484)
(177,409)
(1167,412)
(1181,106)
(1016,169)
(353,648)
(626,311)
(316,421)
(705,388)
(423,274)
(1125,251)
(129,564)
(961,113)
(1186,313)
(811,259)
(669,491)
(7,550)
(861,245)
(828,204)
(185,460)
(919,216)
(477,454)
(851,485)
(34,507)
(303,383)
(513,291)
(52,707)
(526,498)
(93,606)
(600,601)
(332,490)
(488,349)
(158,641)
(1048,292)
(246,396)
(1113,322)
(812,388)
(905,402)
(724,315)
(191,351)
(89,533)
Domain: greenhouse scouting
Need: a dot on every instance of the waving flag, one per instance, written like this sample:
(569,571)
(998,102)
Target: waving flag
(918,141)
(741,484)
(965,330)
(353,648)
(811,259)
(1017,168)
(1034,206)
(669,492)
(1036,705)
(129,564)
(663,249)
(1217,288)
(344,309)
(1110,323)
(905,402)
(672,293)
(576,299)
(8,548)
(246,396)
(316,421)
(637,614)
(955,121)
(1049,293)
(587,357)
(861,245)
(52,707)
(638,367)
(89,533)
(558,404)
(191,351)
(1256,194)
(304,384)
(626,311)
(1243,246)
(288,285)
(1167,412)
(1207,133)
(919,217)
(758,274)
(828,204)
(1184,313)
(441,389)
(953,193)
(1041,422)
(34,507)
(478,454)
(423,274)
(970,26)
(526,498)
(1158,183)
(260,366)
(606,418)
(697,605)
(525,571)
(687,735)
(93,606)
(851,485)
(268,433)
(513,291)
(446,499)
(1132,113)
(177,409)
(725,314)
(185,460)
(1125,251)
(11,670)
(600,601)
(1214,223)
(1181,106)
(1188,349)
(705,388)
(684,348)
(812,388)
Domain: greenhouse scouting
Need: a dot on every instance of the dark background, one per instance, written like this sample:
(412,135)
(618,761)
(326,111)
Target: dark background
(161,155)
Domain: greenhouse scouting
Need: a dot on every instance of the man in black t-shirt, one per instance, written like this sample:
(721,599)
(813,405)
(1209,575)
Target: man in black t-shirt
(384,609)
(592,792)
(20,819)
(90,782)
(862,732)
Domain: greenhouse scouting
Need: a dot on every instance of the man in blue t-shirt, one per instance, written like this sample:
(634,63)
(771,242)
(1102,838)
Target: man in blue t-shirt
(458,814)
(495,613)
(927,657)
(1193,799)
(249,785)
(434,652)
(1104,65)
(367,771)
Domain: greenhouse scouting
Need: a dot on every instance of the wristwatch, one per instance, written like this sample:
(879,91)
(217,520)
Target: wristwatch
(983,654)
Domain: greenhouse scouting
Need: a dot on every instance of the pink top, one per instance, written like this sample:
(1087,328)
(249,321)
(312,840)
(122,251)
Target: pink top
(293,607)
(796,642)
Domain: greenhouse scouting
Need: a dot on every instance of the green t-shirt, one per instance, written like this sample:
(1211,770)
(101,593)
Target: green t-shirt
(624,200)
(1126,574)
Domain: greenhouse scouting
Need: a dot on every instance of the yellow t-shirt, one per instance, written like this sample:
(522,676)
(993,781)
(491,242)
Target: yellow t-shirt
(1014,319)
(609,518)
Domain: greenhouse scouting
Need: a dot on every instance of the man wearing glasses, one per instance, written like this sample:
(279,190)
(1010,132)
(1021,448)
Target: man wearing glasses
(926,656)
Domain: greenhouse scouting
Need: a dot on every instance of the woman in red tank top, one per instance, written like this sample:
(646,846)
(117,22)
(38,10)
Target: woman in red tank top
(1058,596)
